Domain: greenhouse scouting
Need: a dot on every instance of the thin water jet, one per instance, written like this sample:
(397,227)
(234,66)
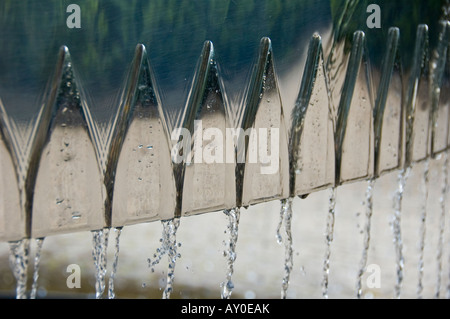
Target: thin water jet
(18,261)
(366,245)
(442,201)
(329,240)
(111,292)
(396,228)
(37,261)
(169,246)
(99,253)
(286,219)
(171,227)
(423,218)
(230,253)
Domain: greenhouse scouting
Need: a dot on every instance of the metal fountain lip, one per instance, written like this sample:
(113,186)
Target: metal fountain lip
(263,90)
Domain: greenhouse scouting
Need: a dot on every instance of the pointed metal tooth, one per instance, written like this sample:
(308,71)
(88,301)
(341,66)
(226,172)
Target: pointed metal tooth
(418,102)
(389,115)
(209,183)
(439,91)
(139,177)
(445,91)
(354,129)
(14,224)
(260,179)
(311,144)
(182,150)
(64,184)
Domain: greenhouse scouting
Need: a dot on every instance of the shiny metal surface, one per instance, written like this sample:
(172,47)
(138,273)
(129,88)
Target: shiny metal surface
(138,176)
(208,182)
(64,185)
(311,144)
(263,112)
(354,126)
(94,144)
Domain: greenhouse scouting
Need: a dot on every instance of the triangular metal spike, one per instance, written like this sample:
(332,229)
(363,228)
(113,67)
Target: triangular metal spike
(262,169)
(13,222)
(65,190)
(440,101)
(182,150)
(418,102)
(445,91)
(209,183)
(354,140)
(389,115)
(139,178)
(311,144)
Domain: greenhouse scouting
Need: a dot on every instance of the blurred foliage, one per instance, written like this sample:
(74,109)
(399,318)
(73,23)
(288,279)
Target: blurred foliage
(349,16)
(111,29)
(173,31)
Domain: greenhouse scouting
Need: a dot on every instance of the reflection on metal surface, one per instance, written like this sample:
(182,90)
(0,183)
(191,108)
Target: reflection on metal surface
(323,122)
(208,181)
(63,157)
(138,177)
(311,143)
(263,112)
(418,106)
(389,116)
(13,223)
(354,126)
(440,91)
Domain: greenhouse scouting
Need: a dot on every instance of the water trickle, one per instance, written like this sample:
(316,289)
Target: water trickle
(286,219)
(230,253)
(169,246)
(18,261)
(329,240)
(442,201)
(37,261)
(423,218)
(396,228)
(369,211)
(111,293)
(99,250)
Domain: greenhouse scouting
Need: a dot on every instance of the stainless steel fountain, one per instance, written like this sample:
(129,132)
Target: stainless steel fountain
(352,114)
(340,130)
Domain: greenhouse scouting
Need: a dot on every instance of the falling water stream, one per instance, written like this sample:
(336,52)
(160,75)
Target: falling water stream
(286,219)
(111,293)
(18,260)
(396,228)
(423,218)
(369,210)
(37,261)
(329,240)
(169,246)
(442,201)
(230,253)
(99,253)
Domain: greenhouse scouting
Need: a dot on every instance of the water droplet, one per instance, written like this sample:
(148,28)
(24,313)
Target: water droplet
(76,215)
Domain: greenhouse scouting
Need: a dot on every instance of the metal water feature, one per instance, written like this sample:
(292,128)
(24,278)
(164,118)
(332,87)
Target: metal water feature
(157,147)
